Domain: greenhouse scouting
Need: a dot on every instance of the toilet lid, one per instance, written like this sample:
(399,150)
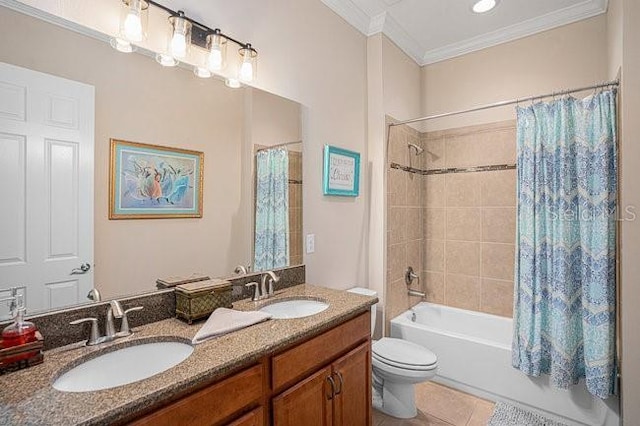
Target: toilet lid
(400,352)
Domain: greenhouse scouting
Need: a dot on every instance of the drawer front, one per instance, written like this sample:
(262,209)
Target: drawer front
(212,404)
(298,362)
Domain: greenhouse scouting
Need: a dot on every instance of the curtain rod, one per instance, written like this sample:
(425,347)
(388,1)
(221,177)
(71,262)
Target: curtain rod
(505,103)
(277,146)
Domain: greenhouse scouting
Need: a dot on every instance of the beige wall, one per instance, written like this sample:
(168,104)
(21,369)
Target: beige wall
(614,37)
(393,90)
(321,63)
(401,82)
(570,56)
(274,120)
(630,197)
(171,108)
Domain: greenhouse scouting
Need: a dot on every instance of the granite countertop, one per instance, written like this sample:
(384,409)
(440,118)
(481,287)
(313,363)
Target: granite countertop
(28,397)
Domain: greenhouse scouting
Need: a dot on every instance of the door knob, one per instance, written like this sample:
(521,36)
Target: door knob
(83,269)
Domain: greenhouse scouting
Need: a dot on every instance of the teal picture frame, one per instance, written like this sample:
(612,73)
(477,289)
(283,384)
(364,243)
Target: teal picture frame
(341,172)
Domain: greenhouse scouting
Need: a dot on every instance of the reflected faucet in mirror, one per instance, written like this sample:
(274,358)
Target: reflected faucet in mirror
(94,295)
(242,270)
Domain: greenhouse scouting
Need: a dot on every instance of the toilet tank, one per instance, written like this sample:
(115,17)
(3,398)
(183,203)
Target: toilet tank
(367,292)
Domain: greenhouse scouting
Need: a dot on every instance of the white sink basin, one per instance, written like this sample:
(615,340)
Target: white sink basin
(123,366)
(298,308)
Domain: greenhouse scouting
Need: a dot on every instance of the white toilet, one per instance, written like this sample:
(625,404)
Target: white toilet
(397,366)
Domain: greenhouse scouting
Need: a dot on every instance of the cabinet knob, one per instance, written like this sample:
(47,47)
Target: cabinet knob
(333,387)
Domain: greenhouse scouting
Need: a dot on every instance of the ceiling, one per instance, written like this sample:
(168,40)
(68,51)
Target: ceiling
(434,30)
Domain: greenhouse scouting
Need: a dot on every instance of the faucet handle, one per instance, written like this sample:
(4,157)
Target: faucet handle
(256,290)
(124,324)
(94,337)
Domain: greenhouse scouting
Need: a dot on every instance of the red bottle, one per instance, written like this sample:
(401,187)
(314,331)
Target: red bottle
(18,333)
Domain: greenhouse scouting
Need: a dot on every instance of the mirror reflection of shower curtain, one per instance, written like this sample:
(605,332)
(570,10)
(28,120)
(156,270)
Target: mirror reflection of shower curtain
(272,209)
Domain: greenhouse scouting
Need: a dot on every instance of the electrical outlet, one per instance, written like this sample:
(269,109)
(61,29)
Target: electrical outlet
(311,243)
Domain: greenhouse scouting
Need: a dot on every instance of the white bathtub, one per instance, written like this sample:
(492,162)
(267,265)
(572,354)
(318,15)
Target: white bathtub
(474,355)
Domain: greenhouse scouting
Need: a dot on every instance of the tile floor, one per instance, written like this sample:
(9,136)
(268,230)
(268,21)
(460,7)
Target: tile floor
(442,406)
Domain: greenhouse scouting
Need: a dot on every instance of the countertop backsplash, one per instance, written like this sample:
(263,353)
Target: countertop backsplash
(158,306)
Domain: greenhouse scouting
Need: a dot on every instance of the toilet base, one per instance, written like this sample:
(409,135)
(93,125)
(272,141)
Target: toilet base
(398,400)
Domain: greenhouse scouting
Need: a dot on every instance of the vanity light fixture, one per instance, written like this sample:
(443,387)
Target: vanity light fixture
(202,72)
(247,72)
(482,6)
(184,33)
(233,83)
(180,40)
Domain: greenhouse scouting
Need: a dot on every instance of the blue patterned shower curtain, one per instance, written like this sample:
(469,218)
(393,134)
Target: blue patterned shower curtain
(565,290)
(272,209)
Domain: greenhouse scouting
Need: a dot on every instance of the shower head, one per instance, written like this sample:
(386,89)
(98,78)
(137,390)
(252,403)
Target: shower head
(416,147)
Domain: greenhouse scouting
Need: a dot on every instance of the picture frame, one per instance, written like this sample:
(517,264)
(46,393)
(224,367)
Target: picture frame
(154,182)
(341,174)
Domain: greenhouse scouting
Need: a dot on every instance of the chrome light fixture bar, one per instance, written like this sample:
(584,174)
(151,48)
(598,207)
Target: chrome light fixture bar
(182,33)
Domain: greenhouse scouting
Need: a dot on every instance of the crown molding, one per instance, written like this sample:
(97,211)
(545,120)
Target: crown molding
(533,26)
(351,13)
(376,24)
(403,39)
(384,23)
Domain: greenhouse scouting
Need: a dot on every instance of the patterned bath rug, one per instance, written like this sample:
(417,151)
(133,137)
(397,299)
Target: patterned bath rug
(509,415)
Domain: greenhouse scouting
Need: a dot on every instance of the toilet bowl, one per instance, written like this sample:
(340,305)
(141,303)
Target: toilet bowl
(398,365)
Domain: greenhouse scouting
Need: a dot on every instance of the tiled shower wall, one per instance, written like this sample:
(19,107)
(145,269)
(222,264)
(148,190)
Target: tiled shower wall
(456,230)
(470,218)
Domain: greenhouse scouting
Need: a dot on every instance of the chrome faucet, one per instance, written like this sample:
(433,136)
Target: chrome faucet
(264,290)
(114,310)
(268,278)
(241,270)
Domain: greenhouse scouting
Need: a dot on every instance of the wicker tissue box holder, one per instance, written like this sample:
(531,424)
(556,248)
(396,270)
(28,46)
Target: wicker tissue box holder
(197,300)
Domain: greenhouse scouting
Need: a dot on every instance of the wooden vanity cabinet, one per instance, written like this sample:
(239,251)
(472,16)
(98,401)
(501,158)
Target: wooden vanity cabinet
(325,380)
(337,395)
(213,404)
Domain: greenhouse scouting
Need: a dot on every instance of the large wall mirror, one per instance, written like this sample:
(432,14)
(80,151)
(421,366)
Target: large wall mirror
(63,97)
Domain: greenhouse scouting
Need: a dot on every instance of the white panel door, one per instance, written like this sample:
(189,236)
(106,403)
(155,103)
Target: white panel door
(46,188)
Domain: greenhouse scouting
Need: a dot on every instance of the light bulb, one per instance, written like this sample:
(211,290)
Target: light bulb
(483,6)
(215,59)
(246,71)
(178,45)
(133,26)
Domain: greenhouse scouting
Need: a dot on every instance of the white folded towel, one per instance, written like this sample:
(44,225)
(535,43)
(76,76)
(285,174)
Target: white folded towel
(224,320)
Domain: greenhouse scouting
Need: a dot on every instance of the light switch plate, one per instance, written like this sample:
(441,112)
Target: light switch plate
(311,243)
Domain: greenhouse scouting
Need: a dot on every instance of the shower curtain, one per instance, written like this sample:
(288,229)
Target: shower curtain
(272,209)
(565,280)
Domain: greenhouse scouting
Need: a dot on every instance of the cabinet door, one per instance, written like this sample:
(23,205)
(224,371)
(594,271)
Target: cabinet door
(309,403)
(253,418)
(352,374)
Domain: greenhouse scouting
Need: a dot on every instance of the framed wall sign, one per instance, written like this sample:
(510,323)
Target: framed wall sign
(152,182)
(341,172)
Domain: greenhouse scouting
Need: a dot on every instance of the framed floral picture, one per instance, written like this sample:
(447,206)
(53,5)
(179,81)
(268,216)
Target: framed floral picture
(154,182)
(341,172)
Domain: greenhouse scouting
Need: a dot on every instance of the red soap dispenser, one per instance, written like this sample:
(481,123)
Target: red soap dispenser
(20,332)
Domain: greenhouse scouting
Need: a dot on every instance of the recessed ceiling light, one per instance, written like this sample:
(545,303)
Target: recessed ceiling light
(483,6)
